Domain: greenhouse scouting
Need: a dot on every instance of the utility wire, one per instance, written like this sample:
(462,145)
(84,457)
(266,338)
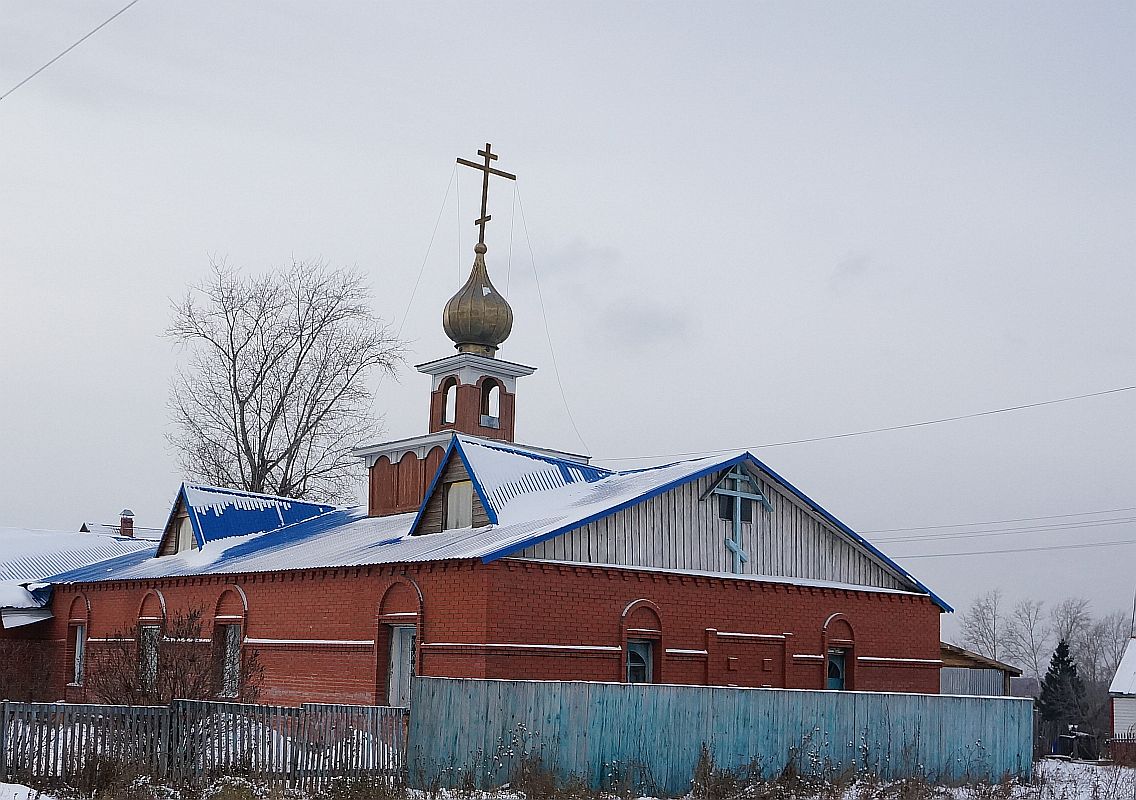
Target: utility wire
(425,258)
(93,31)
(875,430)
(1000,521)
(421,268)
(1079,546)
(1063,526)
(512,219)
(544,313)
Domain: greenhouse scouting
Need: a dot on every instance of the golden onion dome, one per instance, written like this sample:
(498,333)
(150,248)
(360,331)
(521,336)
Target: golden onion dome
(478,318)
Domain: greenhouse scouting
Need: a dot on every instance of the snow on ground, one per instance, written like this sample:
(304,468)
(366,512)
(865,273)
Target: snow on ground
(14,791)
(1053,780)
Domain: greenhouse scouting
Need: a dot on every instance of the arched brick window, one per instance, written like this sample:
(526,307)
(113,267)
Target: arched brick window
(229,625)
(449,400)
(490,403)
(78,629)
(839,654)
(642,629)
(151,624)
(400,627)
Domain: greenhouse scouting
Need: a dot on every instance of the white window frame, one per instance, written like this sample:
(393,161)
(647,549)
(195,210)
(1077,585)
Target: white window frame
(231,639)
(457,505)
(644,648)
(149,643)
(79,644)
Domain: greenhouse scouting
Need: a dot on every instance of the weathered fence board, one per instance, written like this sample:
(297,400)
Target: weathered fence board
(653,735)
(193,741)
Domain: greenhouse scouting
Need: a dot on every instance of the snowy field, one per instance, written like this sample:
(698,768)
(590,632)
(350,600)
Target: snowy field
(1053,780)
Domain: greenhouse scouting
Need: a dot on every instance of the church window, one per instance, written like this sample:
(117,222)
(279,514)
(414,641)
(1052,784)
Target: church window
(458,505)
(78,648)
(185,538)
(149,636)
(737,490)
(837,668)
(450,401)
(229,639)
(491,404)
(640,661)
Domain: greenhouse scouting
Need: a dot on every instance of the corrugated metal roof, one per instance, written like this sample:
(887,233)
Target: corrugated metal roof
(529,497)
(32,555)
(217,513)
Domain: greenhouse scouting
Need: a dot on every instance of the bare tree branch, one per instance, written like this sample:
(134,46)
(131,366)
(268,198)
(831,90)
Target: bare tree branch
(275,390)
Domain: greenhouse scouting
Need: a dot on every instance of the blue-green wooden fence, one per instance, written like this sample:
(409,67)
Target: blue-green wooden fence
(652,735)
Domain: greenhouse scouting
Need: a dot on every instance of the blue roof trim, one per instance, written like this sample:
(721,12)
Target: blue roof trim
(871,548)
(904,574)
(490,511)
(433,484)
(455,444)
(590,473)
(513,548)
(98,571)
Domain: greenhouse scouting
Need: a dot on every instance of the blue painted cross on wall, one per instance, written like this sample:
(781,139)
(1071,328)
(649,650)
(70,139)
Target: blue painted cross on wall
(737,489)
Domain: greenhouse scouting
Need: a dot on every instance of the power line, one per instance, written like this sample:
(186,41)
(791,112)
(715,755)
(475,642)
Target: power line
(425,258)
(924,423)
(93,31)
(1062,526)
(1079,546)
(544,313)
(1000,521)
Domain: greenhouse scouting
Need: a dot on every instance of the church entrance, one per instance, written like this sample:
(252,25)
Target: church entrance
(402,641)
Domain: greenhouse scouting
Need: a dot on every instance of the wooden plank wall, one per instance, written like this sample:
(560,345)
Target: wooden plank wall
(677,530)
(589,730)
(432,515)
(963,680)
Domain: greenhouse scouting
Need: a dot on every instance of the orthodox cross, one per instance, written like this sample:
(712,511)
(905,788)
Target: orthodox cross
(735,488)
(486,170)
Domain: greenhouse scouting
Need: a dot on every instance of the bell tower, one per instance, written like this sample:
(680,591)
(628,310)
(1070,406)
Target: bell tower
(474,392)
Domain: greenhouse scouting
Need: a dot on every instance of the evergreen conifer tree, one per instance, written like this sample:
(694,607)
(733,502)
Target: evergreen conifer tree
(1062,692)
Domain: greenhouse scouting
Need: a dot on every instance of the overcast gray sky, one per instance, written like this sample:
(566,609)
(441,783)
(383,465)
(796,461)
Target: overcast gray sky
(752,222)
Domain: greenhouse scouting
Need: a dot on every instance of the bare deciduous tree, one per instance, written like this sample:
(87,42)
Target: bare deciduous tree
(1027,642)
(1071,618)
(26,669)
(275,393)
(982,626)
(183,666)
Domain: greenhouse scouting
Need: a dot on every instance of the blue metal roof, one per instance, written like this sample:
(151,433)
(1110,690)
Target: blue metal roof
(528,497)
(217,513)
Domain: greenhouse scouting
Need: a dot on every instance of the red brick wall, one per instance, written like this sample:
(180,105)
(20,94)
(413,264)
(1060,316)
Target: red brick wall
(532,603)
(347,613)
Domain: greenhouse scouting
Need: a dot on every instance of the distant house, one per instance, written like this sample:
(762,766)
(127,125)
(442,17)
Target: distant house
(965,672)
(125,527)
(1123,694)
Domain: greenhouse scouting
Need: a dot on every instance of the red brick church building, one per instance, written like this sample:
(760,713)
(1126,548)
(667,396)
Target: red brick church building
(481,557)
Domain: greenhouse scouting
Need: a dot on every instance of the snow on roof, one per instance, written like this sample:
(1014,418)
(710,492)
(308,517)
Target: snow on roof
(529,497)
(27,554)
(13,595)
(1125,680)
(217,513)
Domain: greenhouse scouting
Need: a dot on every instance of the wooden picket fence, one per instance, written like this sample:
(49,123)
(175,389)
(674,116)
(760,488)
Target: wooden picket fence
(191,741)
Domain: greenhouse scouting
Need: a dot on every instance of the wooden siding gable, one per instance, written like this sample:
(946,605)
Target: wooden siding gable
(431,515)
(680,529)
(167,546)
